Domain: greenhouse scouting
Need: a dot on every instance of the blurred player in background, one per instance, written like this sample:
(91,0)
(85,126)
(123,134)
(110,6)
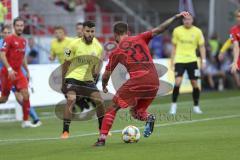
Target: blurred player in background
(142,87)
(12,55)
(59,44)
(79,29)
(6,30)
(83,59)
(235,39)
(186,39)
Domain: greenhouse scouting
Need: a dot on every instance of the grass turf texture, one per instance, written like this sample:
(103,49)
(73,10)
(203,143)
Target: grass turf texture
(213,135)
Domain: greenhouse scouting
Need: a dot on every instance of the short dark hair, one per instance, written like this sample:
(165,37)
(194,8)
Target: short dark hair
(89,24)
(5,27)
(17,19)
(79,24)
(120,28)
(59,28)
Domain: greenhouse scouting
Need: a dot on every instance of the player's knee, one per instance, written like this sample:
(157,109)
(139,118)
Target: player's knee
(71,97)
(25,95)
(3,99)
(178,82)
(194,83)
(99,102)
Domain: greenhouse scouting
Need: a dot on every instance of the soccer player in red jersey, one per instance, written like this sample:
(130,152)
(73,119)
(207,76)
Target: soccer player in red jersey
(142,87)
(235,38)
(13,57)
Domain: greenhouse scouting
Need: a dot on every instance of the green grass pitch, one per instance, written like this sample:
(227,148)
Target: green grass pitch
(215,135)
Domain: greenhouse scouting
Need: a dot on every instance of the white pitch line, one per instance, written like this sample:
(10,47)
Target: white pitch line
(118,131)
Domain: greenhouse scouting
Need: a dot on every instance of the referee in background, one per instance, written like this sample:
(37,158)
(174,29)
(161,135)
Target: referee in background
(186,39)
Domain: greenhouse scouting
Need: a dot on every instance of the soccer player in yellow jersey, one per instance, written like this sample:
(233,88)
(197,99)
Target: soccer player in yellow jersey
(59,44)
(186,39)
(79,29)
(81,66)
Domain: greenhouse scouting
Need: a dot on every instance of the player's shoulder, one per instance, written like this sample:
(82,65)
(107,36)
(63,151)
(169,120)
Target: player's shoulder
(196,28)
(179,28)
(53,41)
(9,37)
(97,43)
(234,28)
(69,39)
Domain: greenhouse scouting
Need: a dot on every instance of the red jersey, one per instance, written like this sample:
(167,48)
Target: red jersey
(235,33)
(134,54)
(14,46)
(235,37)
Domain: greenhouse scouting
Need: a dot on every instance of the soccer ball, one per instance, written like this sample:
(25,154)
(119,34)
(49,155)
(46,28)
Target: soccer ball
(130,134)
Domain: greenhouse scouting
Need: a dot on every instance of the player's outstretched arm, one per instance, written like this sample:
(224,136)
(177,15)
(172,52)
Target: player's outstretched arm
(224,48)
(235,57)
(162,27)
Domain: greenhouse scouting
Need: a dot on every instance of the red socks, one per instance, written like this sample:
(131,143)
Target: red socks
(26,108)
(107,122)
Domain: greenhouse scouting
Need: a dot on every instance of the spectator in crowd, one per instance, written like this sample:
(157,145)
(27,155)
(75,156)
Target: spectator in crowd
(32,52)
(79,10)
(156,47)
(3,12)
(68,5)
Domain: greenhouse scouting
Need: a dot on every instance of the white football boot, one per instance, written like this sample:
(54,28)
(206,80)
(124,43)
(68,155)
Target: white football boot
(197,110)
(173,109)
(28,124)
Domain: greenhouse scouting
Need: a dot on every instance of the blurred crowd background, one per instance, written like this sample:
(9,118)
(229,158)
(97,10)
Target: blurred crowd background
(41,16)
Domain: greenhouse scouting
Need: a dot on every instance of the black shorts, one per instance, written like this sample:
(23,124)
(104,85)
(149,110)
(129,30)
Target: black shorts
(191,68)
(82,88)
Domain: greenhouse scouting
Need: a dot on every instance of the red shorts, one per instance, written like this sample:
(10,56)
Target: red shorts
(19,83)
(133,92)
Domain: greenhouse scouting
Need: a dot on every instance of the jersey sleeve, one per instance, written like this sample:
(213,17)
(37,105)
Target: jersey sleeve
(226,46)
(6,44)
(201,39)
(113,61)
(174,37)
(233,35)
(146,36)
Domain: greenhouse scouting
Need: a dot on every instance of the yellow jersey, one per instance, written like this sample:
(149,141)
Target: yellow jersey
(226,46)
(84,58)
(58,48)
(187,41)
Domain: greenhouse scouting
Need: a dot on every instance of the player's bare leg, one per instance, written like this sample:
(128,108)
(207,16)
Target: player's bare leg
(196,96)
(26,107)
(175,94)
(100,109)
(32,112)
(107,124)
(71,99)
(3,99)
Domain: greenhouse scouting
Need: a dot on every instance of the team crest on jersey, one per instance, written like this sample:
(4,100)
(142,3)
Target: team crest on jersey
(67,52)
